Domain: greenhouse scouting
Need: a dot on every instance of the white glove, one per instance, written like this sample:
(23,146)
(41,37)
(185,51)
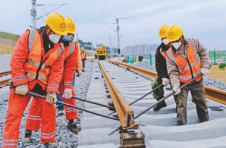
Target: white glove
(176,89)
(79,73)
(165,81)
(21,89)
(204,71)
(51,98)
(67,93)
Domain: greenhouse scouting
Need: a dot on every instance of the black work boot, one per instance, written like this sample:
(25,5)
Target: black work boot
(27,136)
(60,110)
(73,128)
(160,105)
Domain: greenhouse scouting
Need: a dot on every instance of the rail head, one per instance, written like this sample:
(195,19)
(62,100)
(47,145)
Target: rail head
(124,111)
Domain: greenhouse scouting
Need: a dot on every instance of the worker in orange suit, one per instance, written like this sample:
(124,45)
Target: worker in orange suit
(72,52)
(83,56)
(36,65)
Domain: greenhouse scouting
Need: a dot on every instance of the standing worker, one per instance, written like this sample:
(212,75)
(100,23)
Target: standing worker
(83,56)
(71,51)
(140,58)
(161,68)
(183,65)
(36,65)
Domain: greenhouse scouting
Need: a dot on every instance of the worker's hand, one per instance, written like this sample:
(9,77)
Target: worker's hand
(176,89)
(67,93)
(51,98)
(204,71)
(79,73)
(165,81)
(21,89)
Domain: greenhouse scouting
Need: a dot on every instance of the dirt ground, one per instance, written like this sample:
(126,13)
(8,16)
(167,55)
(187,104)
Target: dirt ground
(217,73)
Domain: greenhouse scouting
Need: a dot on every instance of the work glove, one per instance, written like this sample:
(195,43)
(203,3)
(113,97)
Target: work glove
(204,71)
(165,81)
(51,98)
(176,89)
(79,73)
(21,89)
(67,93)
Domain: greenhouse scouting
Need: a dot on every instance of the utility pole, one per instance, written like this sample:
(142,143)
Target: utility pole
(110,47)
(77,35)
(119,54)
(34,13)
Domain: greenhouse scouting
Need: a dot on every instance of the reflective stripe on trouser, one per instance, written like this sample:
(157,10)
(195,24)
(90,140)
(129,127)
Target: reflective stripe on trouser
(34,116)
(198,95)
(159,93)
(71,113)
(16,106)
(39,107)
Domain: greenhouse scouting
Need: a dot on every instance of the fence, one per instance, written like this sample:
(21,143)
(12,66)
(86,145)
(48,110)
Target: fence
(147,59)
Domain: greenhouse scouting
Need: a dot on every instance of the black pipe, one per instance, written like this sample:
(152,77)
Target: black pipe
(110,107)
(34,94)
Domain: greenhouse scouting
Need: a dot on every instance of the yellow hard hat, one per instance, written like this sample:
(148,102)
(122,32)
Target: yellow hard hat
(57,23)
(163,31)
(70,25)
(174,33)
(82,48)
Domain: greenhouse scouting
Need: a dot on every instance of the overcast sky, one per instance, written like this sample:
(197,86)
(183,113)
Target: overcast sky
(200,19)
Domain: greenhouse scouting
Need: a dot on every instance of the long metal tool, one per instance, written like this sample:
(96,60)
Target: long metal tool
(141,97)
(157,102)
(91,112)
(91,102)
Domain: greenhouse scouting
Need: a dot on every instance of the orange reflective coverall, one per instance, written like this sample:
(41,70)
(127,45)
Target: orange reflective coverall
(66,82)
(17,104)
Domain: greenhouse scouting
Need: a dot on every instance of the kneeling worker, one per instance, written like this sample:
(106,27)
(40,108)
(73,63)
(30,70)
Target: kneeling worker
(183,65)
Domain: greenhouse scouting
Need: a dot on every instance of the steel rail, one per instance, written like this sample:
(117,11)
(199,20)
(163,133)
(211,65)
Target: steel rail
(6,81)
(85,110)
(210,93)
(92,102)
(124,111)
(5,73)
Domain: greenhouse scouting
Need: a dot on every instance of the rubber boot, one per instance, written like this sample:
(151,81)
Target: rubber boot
(73,128)
(27,136)
(160,105)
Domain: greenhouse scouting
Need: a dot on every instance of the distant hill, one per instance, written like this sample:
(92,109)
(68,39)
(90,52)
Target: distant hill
(7,42)
(9,36)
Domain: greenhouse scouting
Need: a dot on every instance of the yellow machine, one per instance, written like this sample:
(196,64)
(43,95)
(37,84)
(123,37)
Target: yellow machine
(101,52)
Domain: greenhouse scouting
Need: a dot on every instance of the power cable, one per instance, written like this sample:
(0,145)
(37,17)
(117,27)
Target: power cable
(15,14)
(75,20)
(50,12)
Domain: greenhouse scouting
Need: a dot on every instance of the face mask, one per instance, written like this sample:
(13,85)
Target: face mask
(67,37)
(165,42)
(176,45)
(54,38)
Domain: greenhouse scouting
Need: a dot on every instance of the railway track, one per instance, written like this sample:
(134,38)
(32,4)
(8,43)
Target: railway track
(112,82)
(160,127)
